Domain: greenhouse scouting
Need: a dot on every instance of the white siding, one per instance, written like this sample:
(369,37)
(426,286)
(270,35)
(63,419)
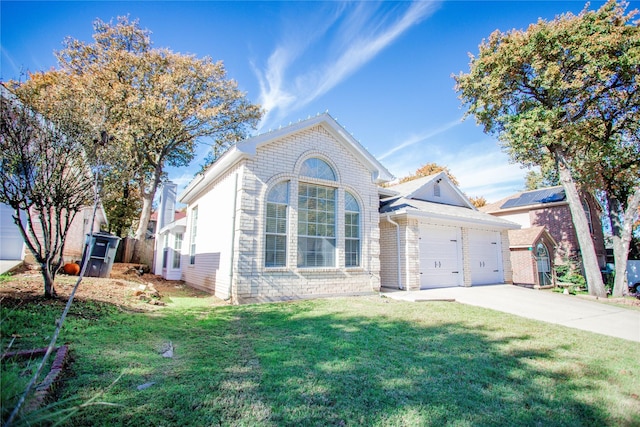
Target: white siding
(211,270)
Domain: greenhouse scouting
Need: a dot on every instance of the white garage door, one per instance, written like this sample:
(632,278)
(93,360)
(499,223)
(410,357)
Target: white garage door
(440,257)
(484,256)
(11,243)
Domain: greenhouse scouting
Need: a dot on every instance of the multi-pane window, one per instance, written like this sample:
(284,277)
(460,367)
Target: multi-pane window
(316,225)
(165,250)
(194,230)
(351,231)
(317,168)
(275,253)
(177,248)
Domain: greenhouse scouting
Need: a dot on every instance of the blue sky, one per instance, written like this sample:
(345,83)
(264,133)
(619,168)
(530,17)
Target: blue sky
(383,70)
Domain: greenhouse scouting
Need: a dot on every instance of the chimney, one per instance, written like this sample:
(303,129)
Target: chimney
(167,205)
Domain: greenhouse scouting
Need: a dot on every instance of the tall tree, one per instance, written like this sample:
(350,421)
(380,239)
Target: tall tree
(45,179)
(539,90)
(154,103)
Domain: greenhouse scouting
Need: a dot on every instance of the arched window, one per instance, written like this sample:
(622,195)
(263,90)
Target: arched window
(351,231)
(544,264)
(275,252)
(317,168)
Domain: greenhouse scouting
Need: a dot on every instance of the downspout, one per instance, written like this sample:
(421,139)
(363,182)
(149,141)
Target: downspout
(397,251)
(233,237)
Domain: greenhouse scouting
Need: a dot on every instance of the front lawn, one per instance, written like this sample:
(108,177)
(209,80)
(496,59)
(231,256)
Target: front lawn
(342,361)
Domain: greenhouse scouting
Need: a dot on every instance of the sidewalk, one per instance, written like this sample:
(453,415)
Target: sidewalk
(566,310)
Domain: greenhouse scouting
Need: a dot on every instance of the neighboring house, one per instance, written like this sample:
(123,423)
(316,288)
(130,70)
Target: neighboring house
(434,237)
(13,244)
(296,213)
(548,207)
(170,226)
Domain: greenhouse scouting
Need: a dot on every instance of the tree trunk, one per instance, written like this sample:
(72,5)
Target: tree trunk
(143,224)
(587,249)
(48,279)
(622,238)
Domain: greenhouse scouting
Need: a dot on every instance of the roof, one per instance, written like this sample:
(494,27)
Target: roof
(528,198)
(418,189)
(446,213)
(527,237)
(248,147)
(177,215)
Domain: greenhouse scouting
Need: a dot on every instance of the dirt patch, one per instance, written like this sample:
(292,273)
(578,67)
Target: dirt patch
(126,287)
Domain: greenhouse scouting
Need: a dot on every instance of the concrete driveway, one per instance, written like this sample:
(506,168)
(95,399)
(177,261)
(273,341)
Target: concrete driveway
(566,310)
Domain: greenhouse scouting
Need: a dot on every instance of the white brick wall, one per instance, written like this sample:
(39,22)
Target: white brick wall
(274,162)
(281,160)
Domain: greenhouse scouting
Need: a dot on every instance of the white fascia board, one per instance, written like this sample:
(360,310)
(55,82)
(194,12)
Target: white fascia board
(228,159)
(456,221)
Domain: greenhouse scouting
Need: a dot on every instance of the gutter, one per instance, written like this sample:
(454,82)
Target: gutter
(397,250)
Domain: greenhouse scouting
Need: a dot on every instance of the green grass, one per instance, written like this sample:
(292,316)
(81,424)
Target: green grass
(343,361)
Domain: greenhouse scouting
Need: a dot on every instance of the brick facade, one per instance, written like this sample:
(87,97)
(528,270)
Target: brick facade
(557,220)
(236,238)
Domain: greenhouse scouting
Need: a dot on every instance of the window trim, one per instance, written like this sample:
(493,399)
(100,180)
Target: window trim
(277,203)
(359,230)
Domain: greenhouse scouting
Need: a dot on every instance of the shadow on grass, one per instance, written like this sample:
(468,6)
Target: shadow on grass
(327,362)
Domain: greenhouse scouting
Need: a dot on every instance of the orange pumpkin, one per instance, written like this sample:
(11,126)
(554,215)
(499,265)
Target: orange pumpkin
(71,268)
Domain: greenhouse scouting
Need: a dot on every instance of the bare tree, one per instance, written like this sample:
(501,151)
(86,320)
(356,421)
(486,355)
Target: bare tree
(44,178)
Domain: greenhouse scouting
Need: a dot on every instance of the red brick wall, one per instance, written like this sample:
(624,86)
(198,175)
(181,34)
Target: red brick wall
(524,268)
(558,221)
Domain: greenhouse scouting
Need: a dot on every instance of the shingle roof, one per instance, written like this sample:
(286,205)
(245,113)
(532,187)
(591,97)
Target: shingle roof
(525,237)
(437,210)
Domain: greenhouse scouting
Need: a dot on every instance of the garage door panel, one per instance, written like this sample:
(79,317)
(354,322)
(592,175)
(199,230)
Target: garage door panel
(484,257)
(439,257)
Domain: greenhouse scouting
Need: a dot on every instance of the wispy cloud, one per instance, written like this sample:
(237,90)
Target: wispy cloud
(422,137)
(354,34)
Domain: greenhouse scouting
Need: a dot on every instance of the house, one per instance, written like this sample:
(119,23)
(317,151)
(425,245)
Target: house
(548,208)
(296,213)
(434,237)
(14,248)
(170,226)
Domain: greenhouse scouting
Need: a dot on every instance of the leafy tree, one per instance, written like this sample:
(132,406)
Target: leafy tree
(544,92)
(44,178)
(155,104)
(478,202)
(430,169)
(546,177)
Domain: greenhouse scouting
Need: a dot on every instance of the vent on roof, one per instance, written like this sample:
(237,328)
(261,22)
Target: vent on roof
(546,195)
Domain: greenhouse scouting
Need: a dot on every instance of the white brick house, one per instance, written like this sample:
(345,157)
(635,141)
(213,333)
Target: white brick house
(295,213)
(286,214)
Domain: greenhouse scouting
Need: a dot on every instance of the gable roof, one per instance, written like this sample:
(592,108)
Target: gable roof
(410,200)
(248,148)
(527,237)
(418,189)
(526,199)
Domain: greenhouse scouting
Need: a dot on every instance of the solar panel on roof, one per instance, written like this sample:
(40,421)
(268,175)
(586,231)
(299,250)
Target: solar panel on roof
(546,195)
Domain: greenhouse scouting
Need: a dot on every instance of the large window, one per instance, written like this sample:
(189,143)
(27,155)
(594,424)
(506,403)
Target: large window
(275,253)
(177,248)
(194,230)
(316,226)
(351,231)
